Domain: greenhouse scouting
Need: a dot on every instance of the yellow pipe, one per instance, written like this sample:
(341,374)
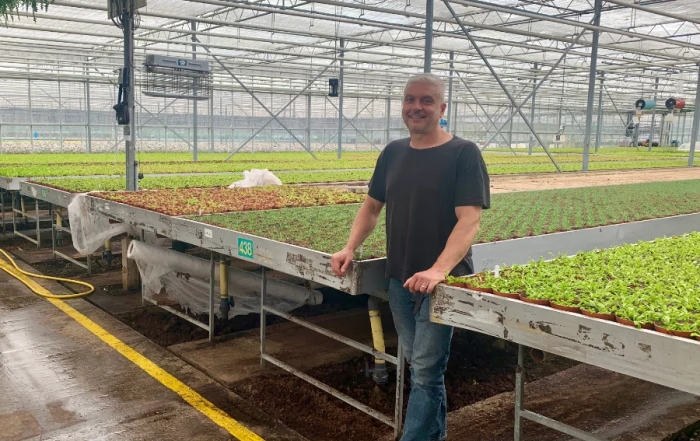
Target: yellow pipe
(13,269)
(375,321)
(223,278)
(108,245)
(59,220)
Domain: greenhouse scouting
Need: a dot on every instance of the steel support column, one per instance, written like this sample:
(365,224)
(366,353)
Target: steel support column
(341,73)
(388,118)
(428,56)
(454,123)
(132,183)
(60,118)
(696,124)
(211,120)
(88,108)
(449,90)
(653,116)
(195,116)
(662,131)
(591,85)
(31,117)
(533,105)
(599,124)
(510,131)
(685,119)
(308,120)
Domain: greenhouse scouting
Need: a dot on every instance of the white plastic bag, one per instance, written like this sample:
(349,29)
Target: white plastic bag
(257,178)
(89,231)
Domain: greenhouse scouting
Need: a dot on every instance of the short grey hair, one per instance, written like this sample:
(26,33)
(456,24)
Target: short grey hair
(429,78)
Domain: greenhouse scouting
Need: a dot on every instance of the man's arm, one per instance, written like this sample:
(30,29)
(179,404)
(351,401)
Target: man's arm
(365,222)
(458,244)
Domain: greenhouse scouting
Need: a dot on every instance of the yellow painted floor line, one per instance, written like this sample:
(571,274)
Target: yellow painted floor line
(195,400)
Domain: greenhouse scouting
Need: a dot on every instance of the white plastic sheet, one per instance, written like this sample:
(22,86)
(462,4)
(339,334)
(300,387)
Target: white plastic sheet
(256,178)
(89,231)
(170,277)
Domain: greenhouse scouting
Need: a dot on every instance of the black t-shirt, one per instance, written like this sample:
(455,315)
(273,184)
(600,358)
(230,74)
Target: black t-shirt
(421,188)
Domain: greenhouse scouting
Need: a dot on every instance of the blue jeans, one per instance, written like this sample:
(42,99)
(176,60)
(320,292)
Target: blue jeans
(426,347)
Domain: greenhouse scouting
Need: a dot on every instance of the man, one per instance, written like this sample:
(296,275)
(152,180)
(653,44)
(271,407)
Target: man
(434,186)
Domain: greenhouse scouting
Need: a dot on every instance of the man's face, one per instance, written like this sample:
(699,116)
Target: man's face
(423,106)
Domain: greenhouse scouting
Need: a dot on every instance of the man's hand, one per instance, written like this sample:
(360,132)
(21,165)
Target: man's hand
(340,261)
(425,281)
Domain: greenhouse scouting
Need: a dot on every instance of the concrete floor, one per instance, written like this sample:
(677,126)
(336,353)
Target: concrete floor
(58,381)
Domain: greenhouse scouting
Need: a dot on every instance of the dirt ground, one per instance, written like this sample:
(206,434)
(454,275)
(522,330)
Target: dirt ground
(692,436)
(544,181)
(477,369)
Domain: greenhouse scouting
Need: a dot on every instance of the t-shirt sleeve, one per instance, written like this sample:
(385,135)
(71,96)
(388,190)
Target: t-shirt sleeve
(377,185)
(473,184)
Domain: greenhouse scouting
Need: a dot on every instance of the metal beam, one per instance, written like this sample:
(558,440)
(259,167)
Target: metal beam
(274,117)
(449,90)
(533,105)
(255,98)
(541,82)
(500,82)
(88,108)
(595,27)
(661,12)
(132,182)
(591,85)
(359,132)
(653,116)
(488,117)
(341,88)
(195,116)
(599,124)
(429,17)
(696,123)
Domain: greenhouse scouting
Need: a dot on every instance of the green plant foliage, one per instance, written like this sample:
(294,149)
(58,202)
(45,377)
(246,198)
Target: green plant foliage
(9,7)
(563,155)
(512,215)
(72,164)
(79,185)
(362,165)
(647,283)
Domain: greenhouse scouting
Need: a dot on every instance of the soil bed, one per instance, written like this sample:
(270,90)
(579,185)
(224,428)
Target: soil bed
(478,369)
(167,329)
(178,202)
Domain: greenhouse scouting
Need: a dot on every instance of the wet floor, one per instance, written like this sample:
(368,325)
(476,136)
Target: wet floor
(59,381)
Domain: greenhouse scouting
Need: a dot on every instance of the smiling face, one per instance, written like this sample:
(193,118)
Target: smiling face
(423,106)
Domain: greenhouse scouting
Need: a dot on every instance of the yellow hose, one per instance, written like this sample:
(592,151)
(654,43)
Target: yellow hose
(3,266)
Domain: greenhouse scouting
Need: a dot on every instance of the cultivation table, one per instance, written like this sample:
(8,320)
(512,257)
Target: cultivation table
(57,200)
(363,277)
(367,276)
(10,186)
(649,355)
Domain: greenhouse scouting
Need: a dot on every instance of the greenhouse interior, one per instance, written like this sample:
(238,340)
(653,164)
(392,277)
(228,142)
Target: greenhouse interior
(194,244)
